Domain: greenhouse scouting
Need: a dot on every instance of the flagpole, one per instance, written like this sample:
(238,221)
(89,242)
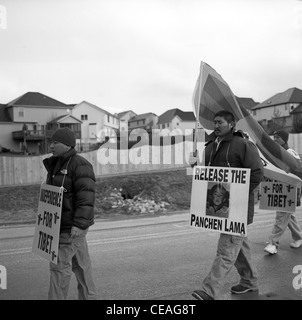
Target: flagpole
(198,109)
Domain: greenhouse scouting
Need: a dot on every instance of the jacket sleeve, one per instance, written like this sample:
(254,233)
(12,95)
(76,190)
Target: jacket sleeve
(84,195)
(254,162)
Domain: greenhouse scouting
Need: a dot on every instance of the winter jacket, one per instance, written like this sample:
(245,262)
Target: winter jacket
(79,184)
(236,151)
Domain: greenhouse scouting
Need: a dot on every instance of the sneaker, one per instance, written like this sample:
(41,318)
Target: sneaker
(201,295)
(296,243)
(239,289)
(271,249)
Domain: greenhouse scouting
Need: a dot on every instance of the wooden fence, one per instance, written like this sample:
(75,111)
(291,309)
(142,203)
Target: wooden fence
(30,170)
(23,170)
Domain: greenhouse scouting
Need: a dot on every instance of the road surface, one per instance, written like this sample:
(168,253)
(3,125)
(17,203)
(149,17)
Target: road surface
(156,258)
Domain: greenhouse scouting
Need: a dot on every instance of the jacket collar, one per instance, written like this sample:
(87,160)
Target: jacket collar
(212,137)
(65,156)
(55,163)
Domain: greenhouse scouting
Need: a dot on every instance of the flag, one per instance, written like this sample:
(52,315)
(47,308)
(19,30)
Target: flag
(212,94)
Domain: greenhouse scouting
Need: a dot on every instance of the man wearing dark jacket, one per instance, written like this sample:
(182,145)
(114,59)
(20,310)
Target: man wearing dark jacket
(227,148)
(75,174)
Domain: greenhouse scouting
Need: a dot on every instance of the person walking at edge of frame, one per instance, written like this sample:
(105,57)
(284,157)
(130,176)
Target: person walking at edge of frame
(285,219)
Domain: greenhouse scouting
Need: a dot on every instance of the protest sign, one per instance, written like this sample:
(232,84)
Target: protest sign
(47,229)
(278,196)
(219,199)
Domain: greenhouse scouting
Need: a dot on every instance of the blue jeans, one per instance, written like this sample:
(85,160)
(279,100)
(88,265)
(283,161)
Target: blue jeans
(231,251)
(73,257)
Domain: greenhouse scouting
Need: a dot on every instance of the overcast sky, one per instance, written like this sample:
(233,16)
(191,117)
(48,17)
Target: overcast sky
(145,55)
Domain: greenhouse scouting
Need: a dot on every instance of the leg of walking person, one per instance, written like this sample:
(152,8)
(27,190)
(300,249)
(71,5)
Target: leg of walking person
(281,222)
(81,266)
(246,270)
(296,232)
(228,249)
(60,273)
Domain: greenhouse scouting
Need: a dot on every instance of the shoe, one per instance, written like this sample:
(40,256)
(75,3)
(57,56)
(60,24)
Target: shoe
(271,249)
(201,295)
(239,289)
(296,243)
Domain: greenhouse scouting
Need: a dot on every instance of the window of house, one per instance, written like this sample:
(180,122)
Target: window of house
(84,117)
(77,127)
(108,118)
(21,112)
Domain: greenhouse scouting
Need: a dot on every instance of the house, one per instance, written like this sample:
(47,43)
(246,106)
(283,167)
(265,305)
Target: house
(283,110)
(177,119)
(146,121)
(96,125)
(27,122)
(6,127)
(247,103)
(124,118)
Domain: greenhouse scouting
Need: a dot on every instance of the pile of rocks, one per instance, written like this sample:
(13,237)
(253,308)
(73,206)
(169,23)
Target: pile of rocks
(137,205)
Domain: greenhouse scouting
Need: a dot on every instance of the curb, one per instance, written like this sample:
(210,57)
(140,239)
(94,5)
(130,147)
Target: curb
(121,217)
(24,230)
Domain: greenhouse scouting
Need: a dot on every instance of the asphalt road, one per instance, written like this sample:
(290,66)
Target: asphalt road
(157,258)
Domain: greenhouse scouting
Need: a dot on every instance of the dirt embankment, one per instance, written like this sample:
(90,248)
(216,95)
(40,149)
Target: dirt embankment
(126,195)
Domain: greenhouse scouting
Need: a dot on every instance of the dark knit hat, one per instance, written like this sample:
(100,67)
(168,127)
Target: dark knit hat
(282,134)
(64,135)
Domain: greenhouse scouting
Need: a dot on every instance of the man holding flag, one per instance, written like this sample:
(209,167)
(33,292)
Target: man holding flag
(212,95)
(228,148)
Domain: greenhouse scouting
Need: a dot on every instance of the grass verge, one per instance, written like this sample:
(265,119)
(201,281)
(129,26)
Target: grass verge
(19,204)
